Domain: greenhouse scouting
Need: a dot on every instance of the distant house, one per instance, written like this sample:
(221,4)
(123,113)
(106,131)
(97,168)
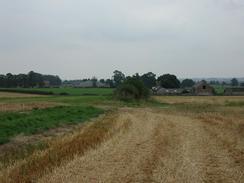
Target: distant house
(102,85)
(234,91)
(46,84)
(86,84)
(166,91)
(203,89)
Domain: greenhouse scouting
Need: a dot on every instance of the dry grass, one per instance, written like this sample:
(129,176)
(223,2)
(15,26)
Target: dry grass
(59,151)
(127,157)
(220,100)
(159,146)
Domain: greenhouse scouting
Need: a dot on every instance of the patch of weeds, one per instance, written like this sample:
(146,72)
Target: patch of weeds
(20,152)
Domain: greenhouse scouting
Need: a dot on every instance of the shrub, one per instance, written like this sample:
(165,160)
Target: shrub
(63,93)
(37,92)
(132,89)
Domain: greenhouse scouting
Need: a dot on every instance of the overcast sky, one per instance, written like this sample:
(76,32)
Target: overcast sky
(85,38)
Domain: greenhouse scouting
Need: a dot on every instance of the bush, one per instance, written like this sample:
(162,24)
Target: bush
(63,93)
(132,89)
(37,92)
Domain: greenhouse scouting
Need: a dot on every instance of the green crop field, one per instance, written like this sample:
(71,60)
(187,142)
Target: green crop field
(63,91)
(38,120)
(70,109)
(50,111)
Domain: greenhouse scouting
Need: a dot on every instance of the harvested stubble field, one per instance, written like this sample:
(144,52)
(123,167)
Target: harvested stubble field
(194,139)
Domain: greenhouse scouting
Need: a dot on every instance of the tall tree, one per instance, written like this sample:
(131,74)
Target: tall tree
(132,88)
(110,83)
(102,81)
(32,79)
(118,77)
(169,81)
(53,80)
(9,80)
(2,81)
(187,83)
(149,79)
(234,82)
(35,79)
(22,80)
(94,82)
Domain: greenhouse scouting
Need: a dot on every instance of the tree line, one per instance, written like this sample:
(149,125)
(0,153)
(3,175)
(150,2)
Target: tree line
(168,80)
(150,80)
(233,82)
(30,80)
(94,80)
(137,87)
(33,79)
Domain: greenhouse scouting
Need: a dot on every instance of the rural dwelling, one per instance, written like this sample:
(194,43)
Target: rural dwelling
(238,91)
(46,84)
(166,91)
(86,84)
(102,85)
(202,88)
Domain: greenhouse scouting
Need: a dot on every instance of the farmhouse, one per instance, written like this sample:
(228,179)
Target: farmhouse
(202,89)
(46,84)
(234,91)
(166,91)
(86,84)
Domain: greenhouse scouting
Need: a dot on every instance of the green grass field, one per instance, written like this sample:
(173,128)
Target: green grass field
(13,123)
(67,91)
(74,108)
(80,105)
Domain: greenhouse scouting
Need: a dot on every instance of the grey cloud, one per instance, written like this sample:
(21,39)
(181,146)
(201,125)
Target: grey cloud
(77,38)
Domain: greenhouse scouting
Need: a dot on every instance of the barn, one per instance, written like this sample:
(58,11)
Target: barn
(202,88)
